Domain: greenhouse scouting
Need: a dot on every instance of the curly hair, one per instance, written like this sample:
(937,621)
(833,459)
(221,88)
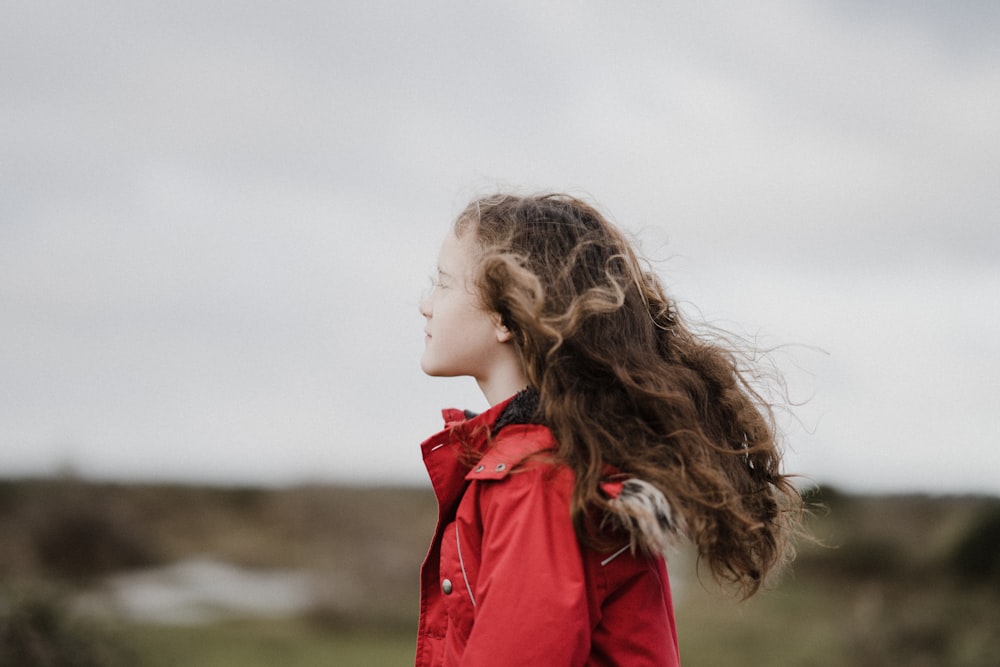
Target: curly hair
(624,381)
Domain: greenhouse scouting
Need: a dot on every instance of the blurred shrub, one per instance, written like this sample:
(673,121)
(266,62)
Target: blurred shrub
(36,630)
(82,532)
(85,544)
(868,558)
(977,554)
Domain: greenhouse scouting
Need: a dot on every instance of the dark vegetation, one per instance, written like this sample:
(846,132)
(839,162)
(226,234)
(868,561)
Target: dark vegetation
(911,580)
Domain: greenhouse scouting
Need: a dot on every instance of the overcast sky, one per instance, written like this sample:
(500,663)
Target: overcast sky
(217,218)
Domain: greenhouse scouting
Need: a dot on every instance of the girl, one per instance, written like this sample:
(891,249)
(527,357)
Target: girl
(613,432)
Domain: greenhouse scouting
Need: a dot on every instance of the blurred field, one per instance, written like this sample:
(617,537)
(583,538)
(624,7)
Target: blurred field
(892,580)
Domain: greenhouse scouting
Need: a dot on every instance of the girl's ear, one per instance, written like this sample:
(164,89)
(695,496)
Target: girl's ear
(504,334)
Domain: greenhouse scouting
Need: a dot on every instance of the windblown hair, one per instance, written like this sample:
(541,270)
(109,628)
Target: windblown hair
(623,381)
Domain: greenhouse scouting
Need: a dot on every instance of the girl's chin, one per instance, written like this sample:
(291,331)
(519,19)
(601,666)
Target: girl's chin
(429,368)
(437,370)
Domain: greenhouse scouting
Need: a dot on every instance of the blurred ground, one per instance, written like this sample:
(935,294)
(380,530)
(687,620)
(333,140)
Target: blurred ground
(161,574)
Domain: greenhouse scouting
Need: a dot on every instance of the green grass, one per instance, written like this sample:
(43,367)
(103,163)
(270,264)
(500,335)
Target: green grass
(801,624)
(285,643)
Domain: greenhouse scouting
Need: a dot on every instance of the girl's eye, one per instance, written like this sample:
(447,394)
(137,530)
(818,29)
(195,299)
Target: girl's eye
(434,283)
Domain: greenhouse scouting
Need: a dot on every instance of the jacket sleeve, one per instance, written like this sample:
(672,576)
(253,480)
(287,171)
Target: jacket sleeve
(531,592)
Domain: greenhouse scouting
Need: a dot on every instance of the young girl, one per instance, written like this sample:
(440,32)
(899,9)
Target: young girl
(613,432)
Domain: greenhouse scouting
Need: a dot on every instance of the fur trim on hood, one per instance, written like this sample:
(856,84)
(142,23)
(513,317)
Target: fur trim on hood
(645,514)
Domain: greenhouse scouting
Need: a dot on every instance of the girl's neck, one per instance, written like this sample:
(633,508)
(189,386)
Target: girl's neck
(504,382)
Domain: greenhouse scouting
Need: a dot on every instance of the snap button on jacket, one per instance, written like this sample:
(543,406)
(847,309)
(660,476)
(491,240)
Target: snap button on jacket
(506,582)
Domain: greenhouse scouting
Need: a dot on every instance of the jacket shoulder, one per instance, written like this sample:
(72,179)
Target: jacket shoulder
(512,448)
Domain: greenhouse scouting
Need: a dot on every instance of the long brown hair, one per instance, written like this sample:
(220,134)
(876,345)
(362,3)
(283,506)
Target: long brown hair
(624,381)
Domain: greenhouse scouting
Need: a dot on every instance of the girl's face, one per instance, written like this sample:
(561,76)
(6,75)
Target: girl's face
(463,338)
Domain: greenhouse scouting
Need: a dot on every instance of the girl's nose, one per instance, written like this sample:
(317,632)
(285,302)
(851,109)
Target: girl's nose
(425,304)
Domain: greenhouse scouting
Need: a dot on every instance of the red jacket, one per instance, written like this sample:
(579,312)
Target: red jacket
(506,581)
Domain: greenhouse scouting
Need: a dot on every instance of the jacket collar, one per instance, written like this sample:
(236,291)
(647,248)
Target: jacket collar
(446,453)
(471,429)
